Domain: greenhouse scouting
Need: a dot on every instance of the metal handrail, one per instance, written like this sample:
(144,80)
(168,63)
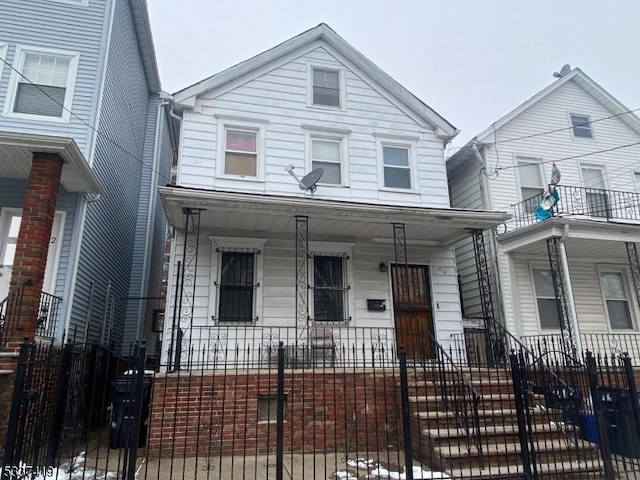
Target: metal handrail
(9,317)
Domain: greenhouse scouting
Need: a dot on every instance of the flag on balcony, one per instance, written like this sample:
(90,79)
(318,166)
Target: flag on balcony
(550,197)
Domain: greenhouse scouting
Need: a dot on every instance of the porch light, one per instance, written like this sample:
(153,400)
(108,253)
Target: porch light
(383,267)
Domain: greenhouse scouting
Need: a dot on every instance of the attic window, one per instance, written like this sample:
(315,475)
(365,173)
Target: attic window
(581,126)
(326,87)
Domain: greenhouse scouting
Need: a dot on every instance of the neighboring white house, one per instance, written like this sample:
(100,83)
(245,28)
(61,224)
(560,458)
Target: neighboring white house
(261,254)
(589,242)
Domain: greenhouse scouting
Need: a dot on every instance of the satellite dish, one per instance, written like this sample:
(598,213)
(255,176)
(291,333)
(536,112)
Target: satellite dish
(563,71)
(309,181)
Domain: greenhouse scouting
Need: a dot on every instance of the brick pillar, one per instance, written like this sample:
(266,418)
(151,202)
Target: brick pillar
(38,210)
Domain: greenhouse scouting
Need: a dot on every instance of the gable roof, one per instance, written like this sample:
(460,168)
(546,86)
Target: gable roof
(579,78)
(324,33)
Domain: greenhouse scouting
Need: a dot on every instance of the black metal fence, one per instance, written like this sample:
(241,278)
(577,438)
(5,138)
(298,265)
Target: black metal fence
(242,403)
(10,310)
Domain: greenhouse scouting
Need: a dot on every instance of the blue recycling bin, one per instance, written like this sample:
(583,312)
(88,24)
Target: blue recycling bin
(589,427)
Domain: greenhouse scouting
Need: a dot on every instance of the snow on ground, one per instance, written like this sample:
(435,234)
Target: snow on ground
(377,471)
(75,469)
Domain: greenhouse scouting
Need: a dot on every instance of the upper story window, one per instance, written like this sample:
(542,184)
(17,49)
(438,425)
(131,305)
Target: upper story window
(581,126)
(241,146)
(325,154)
(531,182)
(241,153)
(326,87)
(396,166)
(42,85)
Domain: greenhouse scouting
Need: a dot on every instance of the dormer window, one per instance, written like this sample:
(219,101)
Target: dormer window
(326,87)
(581,126)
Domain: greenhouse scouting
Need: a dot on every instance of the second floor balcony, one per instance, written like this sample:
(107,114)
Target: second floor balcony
(593,203)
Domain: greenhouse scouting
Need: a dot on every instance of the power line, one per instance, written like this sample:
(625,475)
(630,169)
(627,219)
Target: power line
(103,135)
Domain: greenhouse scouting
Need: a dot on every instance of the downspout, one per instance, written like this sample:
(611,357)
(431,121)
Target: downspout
(567,280)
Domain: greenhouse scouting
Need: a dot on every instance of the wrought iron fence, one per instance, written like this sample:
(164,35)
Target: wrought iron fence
(592,202)
(48,314)
(603,344)
(10,310)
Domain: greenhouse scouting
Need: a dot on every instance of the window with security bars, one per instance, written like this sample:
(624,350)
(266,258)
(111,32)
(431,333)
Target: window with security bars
(237,286)
(42,86)
(330,288)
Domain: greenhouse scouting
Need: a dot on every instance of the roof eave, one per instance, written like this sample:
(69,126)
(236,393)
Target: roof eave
(145,43)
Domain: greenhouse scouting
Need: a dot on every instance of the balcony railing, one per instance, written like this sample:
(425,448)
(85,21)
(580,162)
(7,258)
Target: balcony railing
(591,202)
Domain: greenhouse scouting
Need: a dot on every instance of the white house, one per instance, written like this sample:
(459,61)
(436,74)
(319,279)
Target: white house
(257,260)
(576,272)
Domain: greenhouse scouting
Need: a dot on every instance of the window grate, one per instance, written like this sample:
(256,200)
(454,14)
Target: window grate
(330,287)
(237,284)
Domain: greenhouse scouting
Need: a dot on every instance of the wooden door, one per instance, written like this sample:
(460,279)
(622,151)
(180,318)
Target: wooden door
(412,310)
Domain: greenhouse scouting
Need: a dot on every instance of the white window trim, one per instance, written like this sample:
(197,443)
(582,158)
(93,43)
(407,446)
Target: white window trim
(12,90)
(534,296)
(80,3)
(342,85)
(531,161)
(601,167)
(412,146)
(342,139)
(340,248)
(593,132)
(235,124)
(236,242)
(626,283)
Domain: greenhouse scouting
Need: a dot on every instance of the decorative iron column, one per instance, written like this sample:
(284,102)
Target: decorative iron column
(562,297)
(634,264)
(399,244)
(186,283)
(495,348)
(302,279)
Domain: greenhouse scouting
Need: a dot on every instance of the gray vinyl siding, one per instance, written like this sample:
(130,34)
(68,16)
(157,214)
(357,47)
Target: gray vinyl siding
(55,25)
(110,227)
(12,196)
(465,189)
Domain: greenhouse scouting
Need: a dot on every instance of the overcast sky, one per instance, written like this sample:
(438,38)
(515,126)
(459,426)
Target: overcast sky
(472,61)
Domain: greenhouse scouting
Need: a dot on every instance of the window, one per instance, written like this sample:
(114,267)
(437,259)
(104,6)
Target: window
(326,87)
(596,197)
(44,87)
(327,153)
(546,298)
(581,126)
(615,296)
(636,179)
(531,183)
(237,267)
(396,166)
(241,153)
(330,278)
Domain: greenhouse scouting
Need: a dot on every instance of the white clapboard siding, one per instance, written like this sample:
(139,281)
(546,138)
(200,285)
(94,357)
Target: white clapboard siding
(277,100)
(278,285)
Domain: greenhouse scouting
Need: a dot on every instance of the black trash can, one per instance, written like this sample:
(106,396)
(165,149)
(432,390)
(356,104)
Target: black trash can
(123,408)
(619,418)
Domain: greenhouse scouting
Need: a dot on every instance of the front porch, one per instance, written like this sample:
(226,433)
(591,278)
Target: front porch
(244,263)
(574,278)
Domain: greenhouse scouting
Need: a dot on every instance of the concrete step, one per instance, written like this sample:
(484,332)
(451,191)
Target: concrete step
(517,471)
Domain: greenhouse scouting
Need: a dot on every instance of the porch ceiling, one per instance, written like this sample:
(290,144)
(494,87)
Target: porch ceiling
(17,149)
(272,213)
(583,238)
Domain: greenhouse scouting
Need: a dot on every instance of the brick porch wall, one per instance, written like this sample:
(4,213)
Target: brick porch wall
(191,414)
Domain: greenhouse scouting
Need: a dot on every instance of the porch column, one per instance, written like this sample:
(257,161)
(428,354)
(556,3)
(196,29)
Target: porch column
(302,279)
(494,342)
(564,297)
(32,247)
(634,264)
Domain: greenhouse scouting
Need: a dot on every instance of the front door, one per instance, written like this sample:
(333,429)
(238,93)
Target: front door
(10,220)
(412,310)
